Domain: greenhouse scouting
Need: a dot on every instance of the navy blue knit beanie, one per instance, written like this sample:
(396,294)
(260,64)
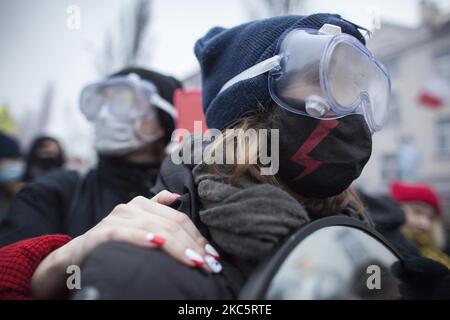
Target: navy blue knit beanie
(224,53)
(9,147)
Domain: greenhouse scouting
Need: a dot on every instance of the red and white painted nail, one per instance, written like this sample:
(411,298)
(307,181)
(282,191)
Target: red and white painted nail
(155,239)
(213,264)
(195,257)
(211,251)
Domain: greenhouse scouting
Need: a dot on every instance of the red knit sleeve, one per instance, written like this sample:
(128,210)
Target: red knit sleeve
(19,260)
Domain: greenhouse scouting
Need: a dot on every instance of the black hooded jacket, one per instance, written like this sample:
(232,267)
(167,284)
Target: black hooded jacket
(63,202)
(388,217)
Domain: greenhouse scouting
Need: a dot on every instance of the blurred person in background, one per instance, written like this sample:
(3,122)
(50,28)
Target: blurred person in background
(388,218)
(46,154)
(134,118)
(424,221)
(11,171)
(424,272)
(60,218)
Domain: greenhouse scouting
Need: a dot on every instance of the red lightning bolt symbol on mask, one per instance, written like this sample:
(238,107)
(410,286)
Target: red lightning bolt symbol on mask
(302,156)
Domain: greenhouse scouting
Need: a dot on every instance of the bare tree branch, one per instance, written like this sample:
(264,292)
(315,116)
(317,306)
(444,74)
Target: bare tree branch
(141,18)
(127,49)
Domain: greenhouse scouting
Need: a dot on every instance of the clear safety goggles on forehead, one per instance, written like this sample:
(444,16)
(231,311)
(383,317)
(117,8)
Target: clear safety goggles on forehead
(126,97)
(325,74)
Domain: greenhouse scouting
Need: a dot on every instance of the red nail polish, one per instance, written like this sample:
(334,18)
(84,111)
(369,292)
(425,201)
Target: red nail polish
(198,263)
(195,257)
(157,240)
(211,251)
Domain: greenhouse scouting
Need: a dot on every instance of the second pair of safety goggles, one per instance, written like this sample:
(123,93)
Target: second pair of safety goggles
(325,74)
(126,97)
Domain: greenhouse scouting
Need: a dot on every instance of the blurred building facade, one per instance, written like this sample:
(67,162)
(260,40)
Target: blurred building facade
(415,144)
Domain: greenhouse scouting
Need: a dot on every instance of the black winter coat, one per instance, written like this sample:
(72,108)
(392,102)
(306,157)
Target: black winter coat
(63,202)
(388,217)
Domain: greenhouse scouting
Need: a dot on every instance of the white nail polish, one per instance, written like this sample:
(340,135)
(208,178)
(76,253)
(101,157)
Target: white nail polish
(194,257)
(153,238)
(213,264)
(210,249)
(149,236)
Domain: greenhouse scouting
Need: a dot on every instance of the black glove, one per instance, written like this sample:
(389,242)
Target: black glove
(422,278)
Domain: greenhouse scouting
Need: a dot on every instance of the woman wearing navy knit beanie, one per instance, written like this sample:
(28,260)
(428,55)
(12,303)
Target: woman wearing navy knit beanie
(312,79)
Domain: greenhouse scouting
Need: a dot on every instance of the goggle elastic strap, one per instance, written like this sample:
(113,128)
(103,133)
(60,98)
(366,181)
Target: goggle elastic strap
(164,105)
(256,70)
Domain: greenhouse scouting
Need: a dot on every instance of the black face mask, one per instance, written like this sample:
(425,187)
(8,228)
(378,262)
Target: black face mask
(47,163)
(321,158)
(40,166)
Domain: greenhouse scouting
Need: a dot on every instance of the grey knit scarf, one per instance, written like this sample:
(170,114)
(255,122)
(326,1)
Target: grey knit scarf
(247,220)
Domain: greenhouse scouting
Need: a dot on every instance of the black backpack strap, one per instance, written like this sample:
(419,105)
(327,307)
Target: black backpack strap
(178,178)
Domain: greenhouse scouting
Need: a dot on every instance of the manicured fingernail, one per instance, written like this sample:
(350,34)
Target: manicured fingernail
(175,196)
(195,257)
(213,264)
(211,251)
(153,238)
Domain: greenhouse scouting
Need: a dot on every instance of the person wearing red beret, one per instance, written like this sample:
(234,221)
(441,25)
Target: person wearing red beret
(424,223)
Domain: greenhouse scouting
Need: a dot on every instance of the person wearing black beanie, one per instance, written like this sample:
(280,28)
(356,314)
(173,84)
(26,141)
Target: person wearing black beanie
(11,170)
(9,147)
(130,151)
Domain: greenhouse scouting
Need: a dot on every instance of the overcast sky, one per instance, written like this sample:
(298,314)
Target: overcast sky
(37,48)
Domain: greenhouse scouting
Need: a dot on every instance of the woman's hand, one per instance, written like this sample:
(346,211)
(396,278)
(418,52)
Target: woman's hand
(144,222)
(152,224)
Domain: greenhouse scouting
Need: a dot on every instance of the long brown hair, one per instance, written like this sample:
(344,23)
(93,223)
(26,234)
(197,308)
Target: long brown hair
(264,118)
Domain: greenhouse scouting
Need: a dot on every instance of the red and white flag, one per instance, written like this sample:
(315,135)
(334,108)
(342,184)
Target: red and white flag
(435,92)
